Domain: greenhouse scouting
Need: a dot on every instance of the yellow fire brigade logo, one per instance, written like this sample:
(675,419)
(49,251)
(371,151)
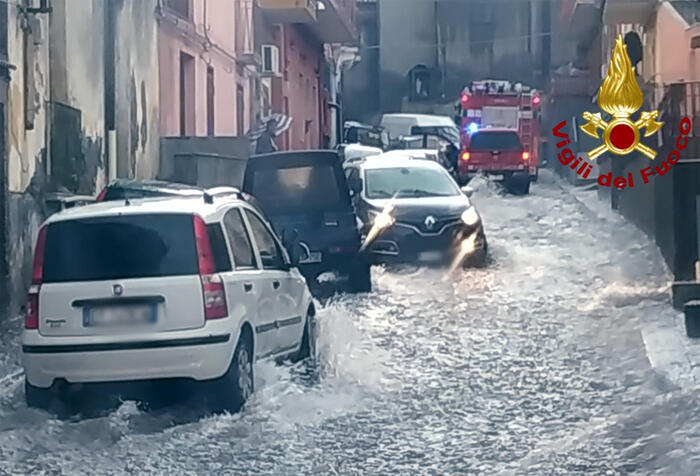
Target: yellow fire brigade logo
(620,96)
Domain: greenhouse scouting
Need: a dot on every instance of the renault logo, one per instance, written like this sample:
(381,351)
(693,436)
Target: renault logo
(430,222)
(117,290)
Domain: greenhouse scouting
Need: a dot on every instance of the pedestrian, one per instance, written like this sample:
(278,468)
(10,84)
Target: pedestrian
(265,143)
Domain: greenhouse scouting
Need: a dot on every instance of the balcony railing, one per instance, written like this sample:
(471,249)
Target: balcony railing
(289,11)
(579,18)
(336,21)
(635,12)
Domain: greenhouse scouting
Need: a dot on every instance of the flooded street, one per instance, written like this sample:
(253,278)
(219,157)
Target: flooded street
(536,364)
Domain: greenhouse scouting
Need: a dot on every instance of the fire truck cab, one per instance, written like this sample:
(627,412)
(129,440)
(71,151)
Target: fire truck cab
(502,104)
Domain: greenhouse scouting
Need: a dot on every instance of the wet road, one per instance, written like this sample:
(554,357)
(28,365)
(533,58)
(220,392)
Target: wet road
(534,365)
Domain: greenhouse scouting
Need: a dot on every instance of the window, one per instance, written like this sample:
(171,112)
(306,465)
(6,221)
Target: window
(218,248)
(120,247)
(240,242)
(186,95)
(210,101)
(270,253)
(307,188)
(180,8)
(495,141)
(408,182)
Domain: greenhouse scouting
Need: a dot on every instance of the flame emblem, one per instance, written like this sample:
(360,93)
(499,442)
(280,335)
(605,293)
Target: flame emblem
(620,96)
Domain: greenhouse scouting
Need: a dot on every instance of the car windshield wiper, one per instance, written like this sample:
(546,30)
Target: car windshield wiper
(382,193)
(417,192)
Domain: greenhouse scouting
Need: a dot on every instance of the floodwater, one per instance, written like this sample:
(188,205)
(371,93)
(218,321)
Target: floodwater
(536,364)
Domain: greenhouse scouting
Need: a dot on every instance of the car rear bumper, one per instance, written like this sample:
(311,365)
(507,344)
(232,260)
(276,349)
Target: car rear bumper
(197,357)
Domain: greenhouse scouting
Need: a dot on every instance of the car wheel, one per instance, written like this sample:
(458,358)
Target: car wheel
(236,386)
(360,277)
(525,190)
(53,400)
(37,397)
(308,339)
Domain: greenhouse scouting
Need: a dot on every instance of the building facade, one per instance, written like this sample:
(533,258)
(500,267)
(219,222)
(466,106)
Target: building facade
(430,51)
(207,78)
(80,81)
(299,83)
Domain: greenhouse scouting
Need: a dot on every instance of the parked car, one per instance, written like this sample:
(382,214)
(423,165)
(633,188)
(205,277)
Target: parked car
(306,192)
(358,133)
(357,151)
(431,217)
(149,291)
(498,153)
(121,189)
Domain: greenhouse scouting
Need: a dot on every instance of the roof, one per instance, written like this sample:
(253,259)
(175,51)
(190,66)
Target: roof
(155,185)
(423,119)
(396,162)
(194,205)
(689,10)
(495,129)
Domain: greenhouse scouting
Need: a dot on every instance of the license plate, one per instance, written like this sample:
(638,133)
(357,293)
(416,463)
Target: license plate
(314,257)
(120,316)
(430,256)
(496,177)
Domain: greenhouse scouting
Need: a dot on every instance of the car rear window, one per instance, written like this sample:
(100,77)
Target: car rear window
(120,247)
(495,141)
(297,189)
(116,193)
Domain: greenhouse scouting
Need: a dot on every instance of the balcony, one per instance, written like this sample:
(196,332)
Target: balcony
(289,11)
(635,12)
(336,21)
(580,18)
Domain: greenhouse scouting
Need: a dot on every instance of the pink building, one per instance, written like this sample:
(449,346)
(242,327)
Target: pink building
(299,81)
(206,78)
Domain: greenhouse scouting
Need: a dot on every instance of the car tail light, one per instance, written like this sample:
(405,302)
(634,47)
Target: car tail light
(464,99)
(102,195)
(465,156)
(38,270)
(31,318)
(526,156)
(212,285)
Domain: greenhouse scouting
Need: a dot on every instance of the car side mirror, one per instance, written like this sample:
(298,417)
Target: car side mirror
(467,190)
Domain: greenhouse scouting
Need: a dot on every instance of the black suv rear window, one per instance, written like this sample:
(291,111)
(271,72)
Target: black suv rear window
(120,247)
(297,189)
(495,141)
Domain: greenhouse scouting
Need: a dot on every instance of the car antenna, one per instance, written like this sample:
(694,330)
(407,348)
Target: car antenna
(208,198)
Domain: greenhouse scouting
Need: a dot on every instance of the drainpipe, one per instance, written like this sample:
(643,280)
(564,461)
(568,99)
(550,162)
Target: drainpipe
(343,58)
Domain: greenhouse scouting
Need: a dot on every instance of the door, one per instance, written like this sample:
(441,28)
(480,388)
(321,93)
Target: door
(249,283)
(132,273)
(284,287)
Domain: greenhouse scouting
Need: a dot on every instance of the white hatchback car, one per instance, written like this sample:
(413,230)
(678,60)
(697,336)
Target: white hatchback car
(196,289)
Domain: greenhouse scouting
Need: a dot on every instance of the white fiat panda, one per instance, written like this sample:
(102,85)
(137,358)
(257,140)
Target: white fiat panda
(151,290)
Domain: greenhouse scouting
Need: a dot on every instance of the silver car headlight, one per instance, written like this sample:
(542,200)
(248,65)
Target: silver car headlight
(470,216)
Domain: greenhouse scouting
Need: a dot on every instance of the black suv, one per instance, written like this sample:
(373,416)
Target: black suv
(305,193)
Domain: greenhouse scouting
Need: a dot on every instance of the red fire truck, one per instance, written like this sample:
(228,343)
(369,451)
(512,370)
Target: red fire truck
(502,104)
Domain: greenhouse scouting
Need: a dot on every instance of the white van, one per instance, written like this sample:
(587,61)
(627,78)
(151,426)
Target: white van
(399,125)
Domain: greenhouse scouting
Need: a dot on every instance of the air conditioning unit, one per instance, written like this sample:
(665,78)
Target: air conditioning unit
(270,59)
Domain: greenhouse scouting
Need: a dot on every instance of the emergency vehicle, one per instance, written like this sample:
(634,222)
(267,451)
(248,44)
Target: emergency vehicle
(502,104)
